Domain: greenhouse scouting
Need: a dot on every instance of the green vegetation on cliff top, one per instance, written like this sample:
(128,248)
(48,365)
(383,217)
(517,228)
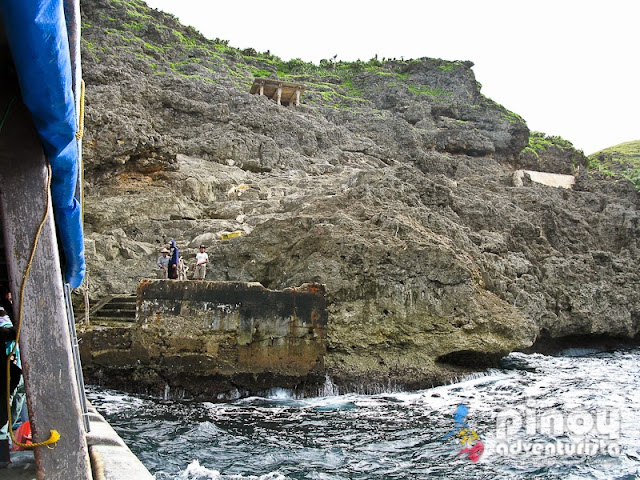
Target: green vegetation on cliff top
(540,142)
(150,35)
(622,159)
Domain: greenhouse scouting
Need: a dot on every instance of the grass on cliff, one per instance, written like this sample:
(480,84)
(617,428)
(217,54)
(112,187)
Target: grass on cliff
(341,74)
(540,142)
(169,48)
(622,159)
(151,35)
(618,161)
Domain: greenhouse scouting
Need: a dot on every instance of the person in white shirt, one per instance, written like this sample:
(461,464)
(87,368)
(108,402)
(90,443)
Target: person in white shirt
(202,258)
(163,264)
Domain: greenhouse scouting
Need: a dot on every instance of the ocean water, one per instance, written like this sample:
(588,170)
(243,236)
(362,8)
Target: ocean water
(571,416)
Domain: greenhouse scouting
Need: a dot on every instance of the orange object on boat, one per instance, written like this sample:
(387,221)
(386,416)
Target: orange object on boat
(22,435)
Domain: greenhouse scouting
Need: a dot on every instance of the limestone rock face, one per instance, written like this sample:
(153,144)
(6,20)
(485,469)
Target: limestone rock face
(392,186)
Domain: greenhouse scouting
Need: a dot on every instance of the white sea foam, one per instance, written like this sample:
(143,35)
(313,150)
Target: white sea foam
(406,434)
(195,471)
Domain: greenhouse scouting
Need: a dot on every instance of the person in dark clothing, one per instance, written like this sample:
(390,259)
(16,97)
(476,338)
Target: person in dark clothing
(5,300)
(173,263)
(7,339)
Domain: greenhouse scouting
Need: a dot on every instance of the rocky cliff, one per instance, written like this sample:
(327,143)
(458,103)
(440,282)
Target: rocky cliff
(391,184)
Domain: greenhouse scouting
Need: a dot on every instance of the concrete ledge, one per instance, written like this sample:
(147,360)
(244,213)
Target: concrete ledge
(111,459)
(248,327)
(550,179)
(213,341)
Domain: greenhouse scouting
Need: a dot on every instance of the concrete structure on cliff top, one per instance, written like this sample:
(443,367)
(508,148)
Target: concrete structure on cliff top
(284,93)
(213,340)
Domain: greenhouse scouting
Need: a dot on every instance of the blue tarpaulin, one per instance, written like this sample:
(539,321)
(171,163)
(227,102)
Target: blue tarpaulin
(37,34)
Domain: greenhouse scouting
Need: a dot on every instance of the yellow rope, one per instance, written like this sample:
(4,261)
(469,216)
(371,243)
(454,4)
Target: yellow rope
(54,435)
(80,131)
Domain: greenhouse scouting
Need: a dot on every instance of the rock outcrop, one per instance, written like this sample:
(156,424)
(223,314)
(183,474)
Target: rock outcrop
(391,184)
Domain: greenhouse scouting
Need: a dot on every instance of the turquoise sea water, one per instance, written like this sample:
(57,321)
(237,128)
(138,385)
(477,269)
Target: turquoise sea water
(572,416)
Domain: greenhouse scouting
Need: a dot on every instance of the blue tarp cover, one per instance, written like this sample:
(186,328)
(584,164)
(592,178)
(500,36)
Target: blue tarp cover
(37,35)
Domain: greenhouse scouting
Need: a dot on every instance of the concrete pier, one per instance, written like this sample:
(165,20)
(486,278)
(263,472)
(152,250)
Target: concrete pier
(212,340)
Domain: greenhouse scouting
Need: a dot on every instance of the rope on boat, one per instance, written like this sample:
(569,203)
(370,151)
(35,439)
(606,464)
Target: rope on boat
(80,131)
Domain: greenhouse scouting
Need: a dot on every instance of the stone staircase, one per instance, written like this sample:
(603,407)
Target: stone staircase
(115,310)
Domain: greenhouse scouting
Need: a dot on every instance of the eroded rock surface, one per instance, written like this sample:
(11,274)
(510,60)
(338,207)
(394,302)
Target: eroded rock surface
(393,187)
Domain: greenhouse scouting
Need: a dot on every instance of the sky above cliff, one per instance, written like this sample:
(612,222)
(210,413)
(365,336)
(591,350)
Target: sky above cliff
(569,68)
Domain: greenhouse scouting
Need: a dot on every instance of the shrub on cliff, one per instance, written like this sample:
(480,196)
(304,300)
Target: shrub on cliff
(551,153)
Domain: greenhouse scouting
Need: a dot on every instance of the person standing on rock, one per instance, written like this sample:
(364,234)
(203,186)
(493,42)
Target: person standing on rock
(173,261)
(200,267)
(163,264)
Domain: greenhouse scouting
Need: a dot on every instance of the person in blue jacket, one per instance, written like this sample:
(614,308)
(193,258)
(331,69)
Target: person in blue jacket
(173,263)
